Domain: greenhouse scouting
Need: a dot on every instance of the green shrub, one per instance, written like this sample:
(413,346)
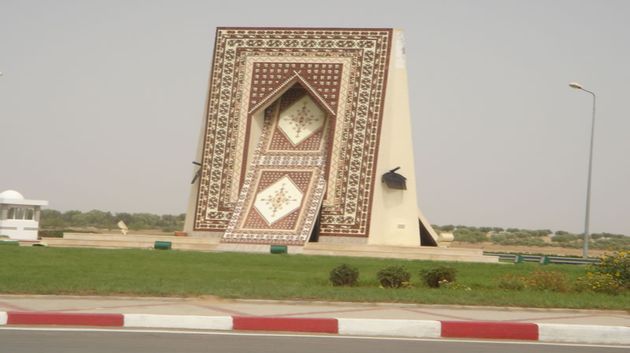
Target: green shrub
(512,282)
(598,282)
(520,238)
(618,244)
(548,280)
(616,265)
(344,275)
(565,238)
(542,232)
(393,277)
(58,233)
(446,228)
(434,277)
(469,236)
(50,233)
(607,235)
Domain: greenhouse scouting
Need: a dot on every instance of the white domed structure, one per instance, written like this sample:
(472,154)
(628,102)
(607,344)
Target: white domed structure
(19,217)
(11,195)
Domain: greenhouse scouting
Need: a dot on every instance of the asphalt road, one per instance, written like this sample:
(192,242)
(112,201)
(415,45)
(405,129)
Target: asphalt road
(28,340)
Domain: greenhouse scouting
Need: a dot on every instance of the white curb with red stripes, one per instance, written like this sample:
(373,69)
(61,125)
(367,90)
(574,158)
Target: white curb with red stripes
(562,333)
(583,334)
(178,321)
(384,327)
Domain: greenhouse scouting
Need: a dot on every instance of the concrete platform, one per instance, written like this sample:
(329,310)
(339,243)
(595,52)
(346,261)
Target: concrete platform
(142,241)
(129,241)
(399,252)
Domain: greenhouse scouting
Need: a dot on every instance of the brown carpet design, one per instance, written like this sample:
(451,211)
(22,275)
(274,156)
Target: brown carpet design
(283,190)
(344,71)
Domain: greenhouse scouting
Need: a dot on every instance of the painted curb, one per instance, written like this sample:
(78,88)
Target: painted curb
(71,319)
(560,333)
(223,323)
(390,328)
(294,324)
(490,329)
(584,334)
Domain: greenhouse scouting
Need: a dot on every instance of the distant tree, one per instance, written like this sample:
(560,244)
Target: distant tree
(99,219)
(73,218)
(469,235)
(123,216)
(607,235)
(51,219)
(448,228)
(543,232)
(564,238)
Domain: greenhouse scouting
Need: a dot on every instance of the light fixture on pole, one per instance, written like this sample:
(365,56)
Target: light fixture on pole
(590,168)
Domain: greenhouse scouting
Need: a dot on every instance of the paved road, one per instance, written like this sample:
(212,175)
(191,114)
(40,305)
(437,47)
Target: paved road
(29,340)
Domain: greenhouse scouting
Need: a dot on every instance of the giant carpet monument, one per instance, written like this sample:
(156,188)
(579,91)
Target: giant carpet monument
(302,136)
(305,147)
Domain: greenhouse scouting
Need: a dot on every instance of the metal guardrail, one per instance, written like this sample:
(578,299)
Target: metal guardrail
(543,259)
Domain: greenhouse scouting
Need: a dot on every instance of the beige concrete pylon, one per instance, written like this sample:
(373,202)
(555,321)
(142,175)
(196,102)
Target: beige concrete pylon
(395,213)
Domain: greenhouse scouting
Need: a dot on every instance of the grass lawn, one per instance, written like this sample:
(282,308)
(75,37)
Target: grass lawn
(39,270)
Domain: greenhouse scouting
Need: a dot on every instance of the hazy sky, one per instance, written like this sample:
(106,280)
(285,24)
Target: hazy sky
(101,102)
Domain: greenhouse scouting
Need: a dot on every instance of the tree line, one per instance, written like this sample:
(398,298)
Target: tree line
(53,219)
(527,237)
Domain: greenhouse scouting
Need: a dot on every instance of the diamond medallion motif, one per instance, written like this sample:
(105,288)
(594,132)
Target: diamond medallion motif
(301,120)
(278,200)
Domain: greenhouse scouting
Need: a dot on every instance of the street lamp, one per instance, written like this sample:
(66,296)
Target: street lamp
(590,168)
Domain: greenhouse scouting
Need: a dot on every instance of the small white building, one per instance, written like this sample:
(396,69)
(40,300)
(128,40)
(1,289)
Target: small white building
(19,218)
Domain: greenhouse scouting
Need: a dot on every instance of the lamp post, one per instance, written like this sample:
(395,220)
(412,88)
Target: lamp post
(590,168)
